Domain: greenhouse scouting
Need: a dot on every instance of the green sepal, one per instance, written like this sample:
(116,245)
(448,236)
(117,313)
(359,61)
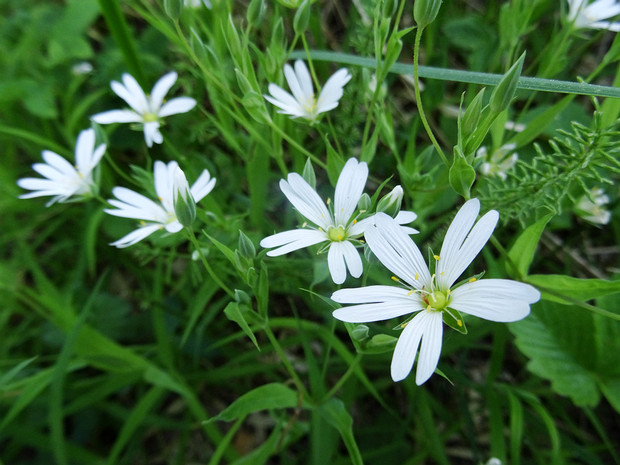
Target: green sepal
(462,175)
(452,318)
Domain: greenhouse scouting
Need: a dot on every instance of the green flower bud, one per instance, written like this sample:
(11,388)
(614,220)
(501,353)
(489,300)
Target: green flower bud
(364,203)
(173,8)
(360,333)
(308,174)
(246,247)
(425,11)
(302,18)
(390,203)
(462,175)
(184,204)
(504,92)
(256,12)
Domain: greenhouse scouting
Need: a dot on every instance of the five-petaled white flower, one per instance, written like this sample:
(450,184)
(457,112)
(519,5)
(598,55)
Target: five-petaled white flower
(146,109)
(63,179)
(430,295)
(591,206)
(499,163)
(582,14)
(303,102)
(155,215)
(339,229)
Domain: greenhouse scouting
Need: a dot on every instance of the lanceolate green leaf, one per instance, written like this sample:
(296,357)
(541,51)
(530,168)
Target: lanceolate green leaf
(521,253)
(266,397)
(472,77)
(573,288)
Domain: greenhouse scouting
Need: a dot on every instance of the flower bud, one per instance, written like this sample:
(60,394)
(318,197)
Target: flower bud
(173,8)
(184,203)
(360,333)
(425,11)
(364,203)
(390,203)
(504,92)
(246,247)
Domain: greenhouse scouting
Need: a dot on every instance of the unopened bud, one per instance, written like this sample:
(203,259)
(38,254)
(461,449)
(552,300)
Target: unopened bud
(425,11)
(504,92)
(390,203)
(184,203)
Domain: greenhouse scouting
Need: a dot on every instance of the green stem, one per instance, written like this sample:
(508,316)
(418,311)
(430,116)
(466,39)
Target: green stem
(297,146)
(204,261)
(342,380)
(287,364)
(418,99)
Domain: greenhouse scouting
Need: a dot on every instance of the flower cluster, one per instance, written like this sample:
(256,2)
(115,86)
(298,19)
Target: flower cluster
(340,229)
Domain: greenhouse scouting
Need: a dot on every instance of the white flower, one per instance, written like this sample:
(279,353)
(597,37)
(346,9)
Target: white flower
(146,109)
(63,180)
(303,102)
(339,229)
(430,295)
(152,215)
(590,207)
(590,15)
(500,161)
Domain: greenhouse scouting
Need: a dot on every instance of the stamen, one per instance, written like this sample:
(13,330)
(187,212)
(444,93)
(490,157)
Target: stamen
(436,257)
(394,278)
(471,280)
(416,277)
(459,322)
(305,223)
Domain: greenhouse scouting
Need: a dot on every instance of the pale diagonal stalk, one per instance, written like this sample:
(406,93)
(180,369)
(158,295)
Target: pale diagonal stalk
(343,379)
(287,364)
(418,99)
(203,259)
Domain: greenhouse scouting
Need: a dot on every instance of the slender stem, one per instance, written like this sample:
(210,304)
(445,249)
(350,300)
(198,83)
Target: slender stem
(297,146)
(287,364)
(418,99)
(212,273)
(343,379)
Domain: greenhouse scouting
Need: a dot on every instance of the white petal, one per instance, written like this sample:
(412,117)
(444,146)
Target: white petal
(117,116)
(136,236)
(177,105)
(152,134)
(368,313)
(137,98)
(426,327)
(160,89)
(463,242)
(349,189)
(397,252)
(336,264)
(163,177)
(84,147)
(351,258)
(499,300)
(332,90)
(295,239)
(306,200)
(370,294)
(58,163)
(304,79)
(203,185)
(405,217)
(284,100)
(130,204)
(293,83)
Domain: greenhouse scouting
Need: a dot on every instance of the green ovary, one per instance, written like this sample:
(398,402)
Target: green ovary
(438,300)
(336,234)
(149,117)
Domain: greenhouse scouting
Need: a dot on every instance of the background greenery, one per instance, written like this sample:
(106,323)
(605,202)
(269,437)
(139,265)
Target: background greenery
(136,356)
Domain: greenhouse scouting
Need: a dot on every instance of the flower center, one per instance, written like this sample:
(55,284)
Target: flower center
(437,301)
(149,117)
(336,234)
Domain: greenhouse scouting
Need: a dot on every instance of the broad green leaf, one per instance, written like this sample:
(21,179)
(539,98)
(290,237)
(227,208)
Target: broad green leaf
(554,286)
(560,344)
(521,253)
(233,312)
(335,413)
(266,397)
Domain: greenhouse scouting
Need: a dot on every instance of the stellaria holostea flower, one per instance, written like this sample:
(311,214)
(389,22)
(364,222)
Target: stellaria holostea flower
(152,215)
(431,296)
(590,207)
(340,229)
(64,180)
(582,14)
(303,102)
(146,109)
(500,161)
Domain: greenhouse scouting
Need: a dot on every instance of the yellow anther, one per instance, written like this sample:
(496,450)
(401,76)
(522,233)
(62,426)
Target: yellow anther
(448,292)
(410,292)
(402,325)
(321,229)
(471,280)
(354,221)
(459,322)
(436,257)
(443,273)
(305,224)
(394,278)
(416,277)
(142,223)
(329,201)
